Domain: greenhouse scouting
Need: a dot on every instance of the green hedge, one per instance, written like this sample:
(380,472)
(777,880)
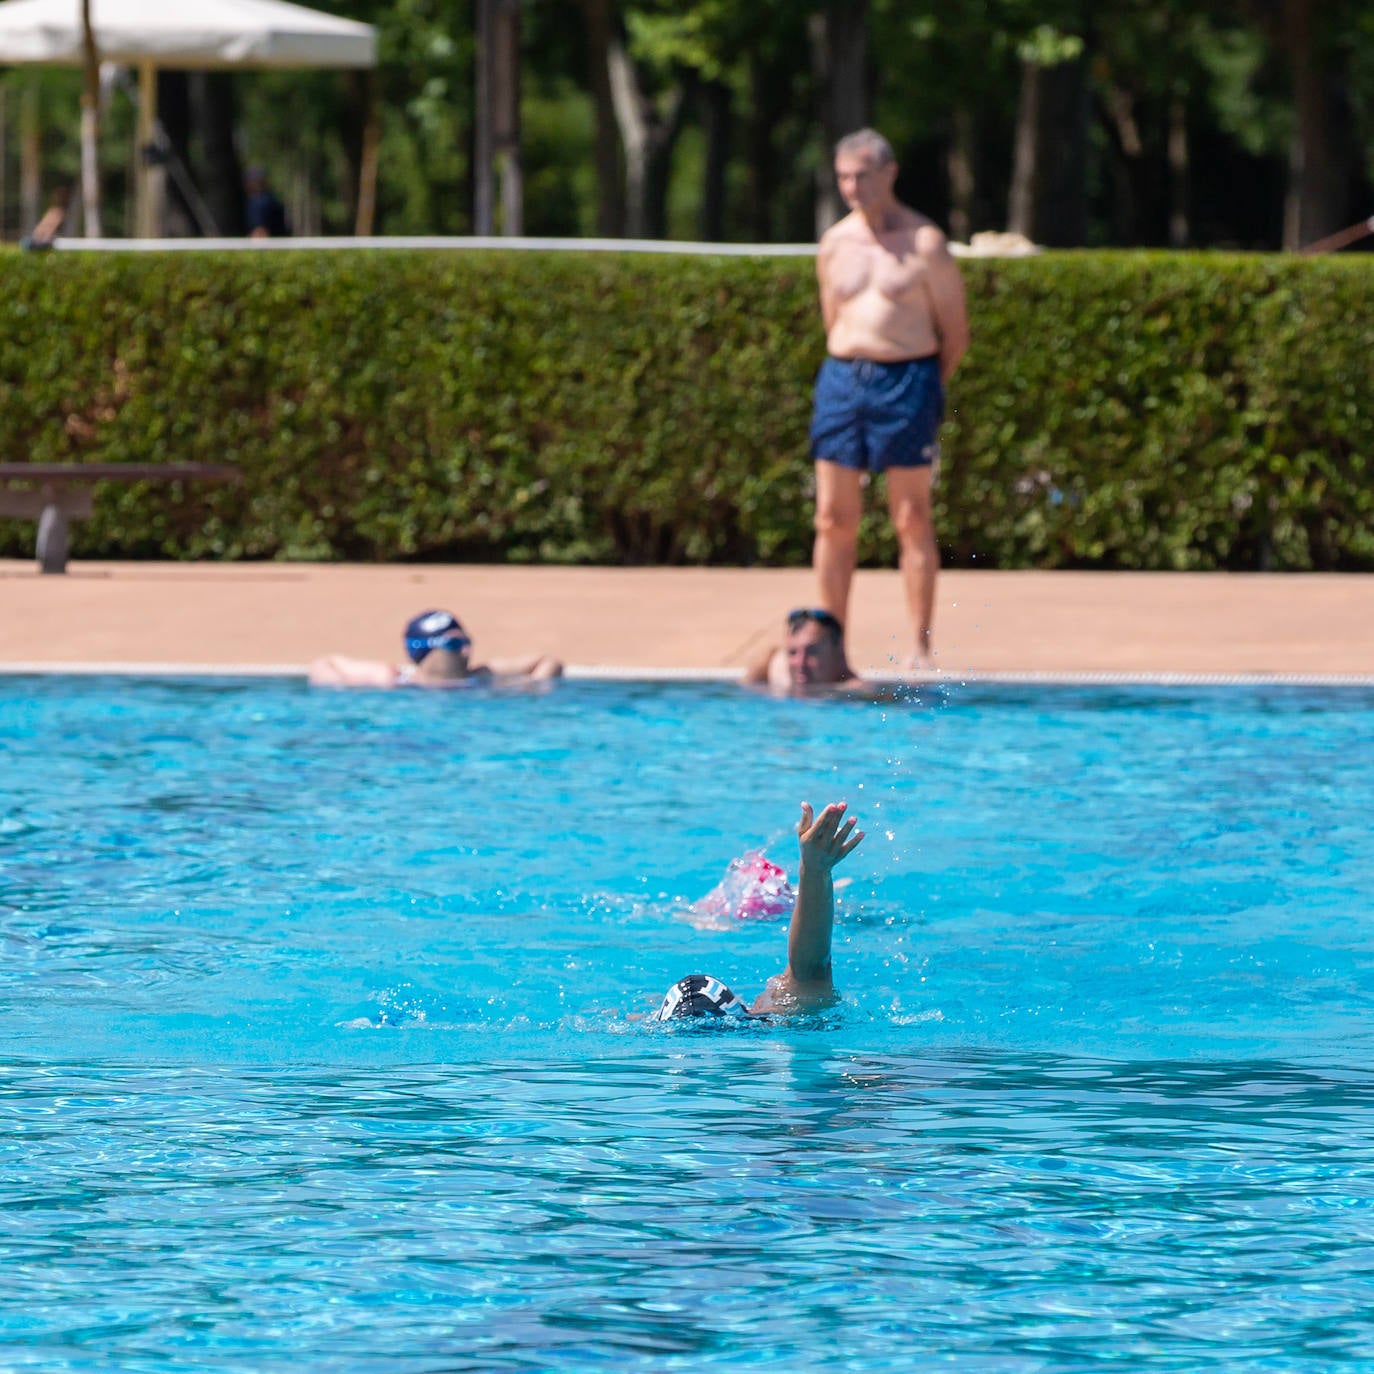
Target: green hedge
(1117,410)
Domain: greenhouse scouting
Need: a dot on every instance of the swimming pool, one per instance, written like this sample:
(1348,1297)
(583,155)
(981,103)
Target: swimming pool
(317,1052)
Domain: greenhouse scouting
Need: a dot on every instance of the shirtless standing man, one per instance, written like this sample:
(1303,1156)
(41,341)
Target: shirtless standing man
(896,327)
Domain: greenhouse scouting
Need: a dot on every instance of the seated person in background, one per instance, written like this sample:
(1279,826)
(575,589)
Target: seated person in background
(47,229)
(264,214)
(438,647)
(806,983)
(810,659)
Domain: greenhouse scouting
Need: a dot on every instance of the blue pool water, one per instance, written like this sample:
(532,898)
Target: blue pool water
(316,1044)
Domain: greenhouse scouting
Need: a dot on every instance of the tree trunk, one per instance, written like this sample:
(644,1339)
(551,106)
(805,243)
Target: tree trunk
(634,134)
(360,136)
(484,123)
(4,160)
(760,156)
(1127,150)
(90,126)
(174,114)
(648,137)
(213,114)
(351,125)
(1021,197)
(1180,229)
(30,158)
(610,204)
(839,61)
(959,163)
(506,116)
(1314,205)
(497,125)
(365,199)
(1060,216)
(716,119)
(1048,201)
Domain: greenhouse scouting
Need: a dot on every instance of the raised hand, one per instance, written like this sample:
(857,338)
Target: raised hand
(824,839)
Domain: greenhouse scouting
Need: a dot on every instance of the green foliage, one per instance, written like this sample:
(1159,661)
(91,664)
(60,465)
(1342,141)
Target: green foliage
(1048,47)
(1117,410)
(1166,411)
(557,135)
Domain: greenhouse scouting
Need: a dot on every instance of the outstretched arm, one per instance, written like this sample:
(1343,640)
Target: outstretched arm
(338,670)
(807,981)
(539,667)
(824,842)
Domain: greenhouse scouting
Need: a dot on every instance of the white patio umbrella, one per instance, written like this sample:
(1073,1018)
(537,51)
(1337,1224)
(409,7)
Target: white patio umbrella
(183,35)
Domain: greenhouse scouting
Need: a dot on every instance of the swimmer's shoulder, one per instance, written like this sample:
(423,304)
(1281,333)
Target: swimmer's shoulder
(783,996)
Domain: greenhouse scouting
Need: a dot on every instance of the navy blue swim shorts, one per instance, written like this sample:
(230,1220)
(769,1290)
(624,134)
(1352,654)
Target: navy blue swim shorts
(874,416)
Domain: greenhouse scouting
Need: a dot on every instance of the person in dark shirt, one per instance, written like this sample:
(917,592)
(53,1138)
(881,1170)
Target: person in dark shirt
(265,214)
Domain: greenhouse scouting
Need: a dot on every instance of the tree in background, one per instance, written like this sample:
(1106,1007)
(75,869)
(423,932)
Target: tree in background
(1235,122)
(90,125)
(1319,40)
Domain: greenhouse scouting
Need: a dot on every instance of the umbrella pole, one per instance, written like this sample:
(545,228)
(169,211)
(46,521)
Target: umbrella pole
(151,173)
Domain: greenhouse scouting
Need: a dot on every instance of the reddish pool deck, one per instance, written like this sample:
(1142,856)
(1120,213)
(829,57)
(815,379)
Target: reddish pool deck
(235,615)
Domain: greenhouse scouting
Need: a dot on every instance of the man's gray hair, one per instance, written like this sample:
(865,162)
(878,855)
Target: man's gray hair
(867,143)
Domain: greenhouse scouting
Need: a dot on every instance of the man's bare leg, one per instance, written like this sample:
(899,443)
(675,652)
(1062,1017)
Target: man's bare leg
(839,504)
(909,502)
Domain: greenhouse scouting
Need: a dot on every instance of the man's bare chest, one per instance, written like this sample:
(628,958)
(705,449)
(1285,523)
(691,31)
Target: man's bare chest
(895,271)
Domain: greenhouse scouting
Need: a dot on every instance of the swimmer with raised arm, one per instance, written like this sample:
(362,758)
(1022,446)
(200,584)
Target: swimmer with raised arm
(806,984)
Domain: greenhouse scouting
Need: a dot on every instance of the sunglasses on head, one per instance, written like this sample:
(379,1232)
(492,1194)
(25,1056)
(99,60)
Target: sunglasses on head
(796,619)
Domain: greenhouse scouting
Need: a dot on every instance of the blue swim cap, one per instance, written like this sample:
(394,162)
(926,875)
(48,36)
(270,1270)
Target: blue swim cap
(434,630)
(699,994)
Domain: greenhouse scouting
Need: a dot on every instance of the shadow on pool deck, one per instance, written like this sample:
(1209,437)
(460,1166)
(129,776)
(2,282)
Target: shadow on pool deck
(685,618)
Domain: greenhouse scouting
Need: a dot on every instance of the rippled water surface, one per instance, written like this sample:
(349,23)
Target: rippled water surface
(318,1046)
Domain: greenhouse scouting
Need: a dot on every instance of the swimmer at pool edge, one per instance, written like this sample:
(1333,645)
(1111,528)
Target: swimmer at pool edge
(806,984)
(438,647)
(810,660)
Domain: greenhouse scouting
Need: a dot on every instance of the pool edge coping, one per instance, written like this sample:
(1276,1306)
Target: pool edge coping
(615,673)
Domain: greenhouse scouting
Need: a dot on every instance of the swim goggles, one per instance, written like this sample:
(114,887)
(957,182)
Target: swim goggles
(796,619)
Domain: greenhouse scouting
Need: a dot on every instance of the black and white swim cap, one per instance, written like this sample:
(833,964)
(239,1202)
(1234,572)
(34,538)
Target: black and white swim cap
(699,994)
(434,630)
